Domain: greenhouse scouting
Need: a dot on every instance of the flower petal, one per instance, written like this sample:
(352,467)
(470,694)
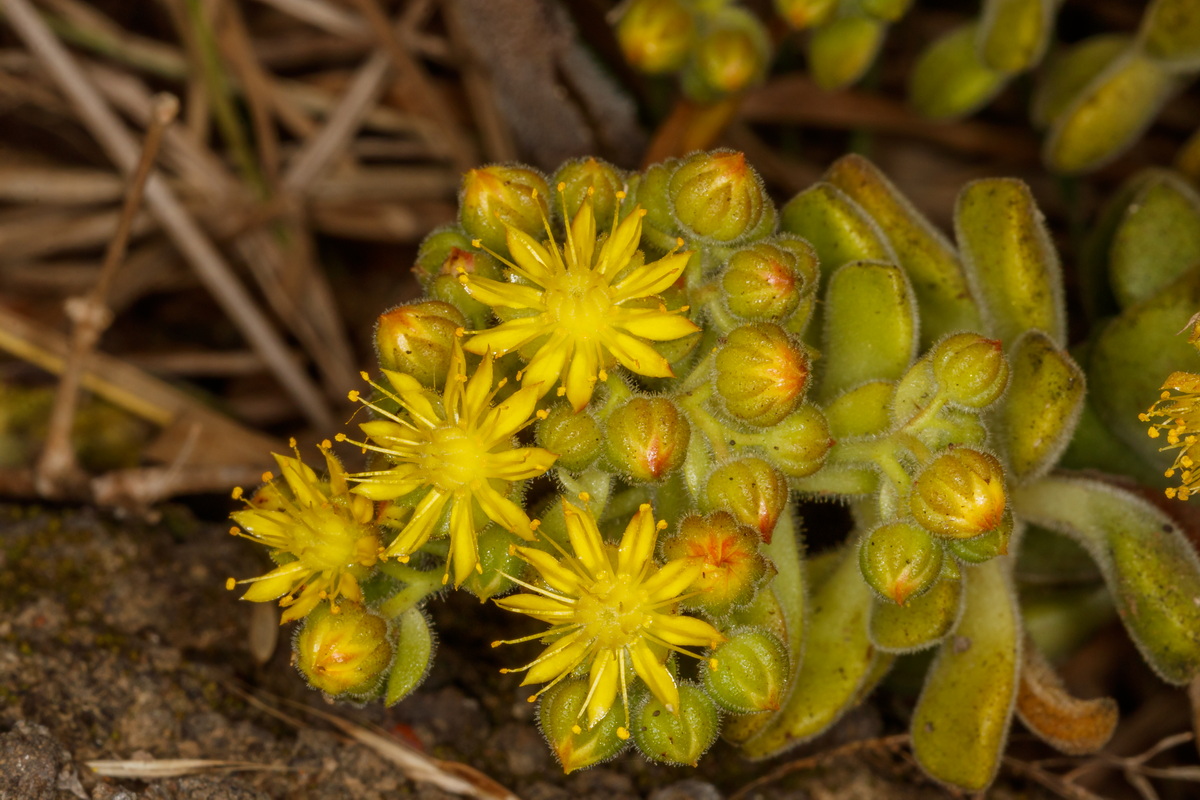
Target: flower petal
(637,543)
(651,279)
(501,293)
(547,364)
(586,540)
(419,526)
(519,464)
(684,631)
(509,336)
(533,261)
(603,684)
(557,576)
(502,422)
(622,244)
(501,510)
(276,583)
(655,675)
(536,605)
(672,580)
(414,398)
(478,391)
(655,325)
(464,553)
(582,374)
(559,659)
(637,356)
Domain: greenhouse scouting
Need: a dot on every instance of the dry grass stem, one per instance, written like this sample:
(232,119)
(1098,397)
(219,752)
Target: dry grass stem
(156,769)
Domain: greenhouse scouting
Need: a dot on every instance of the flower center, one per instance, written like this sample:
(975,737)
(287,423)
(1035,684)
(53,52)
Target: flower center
(326,540)
(613,612)
(454,458)
(580,301)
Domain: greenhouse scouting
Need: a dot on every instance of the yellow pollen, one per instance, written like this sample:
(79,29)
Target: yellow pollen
(585,497)
(268,476)
(292,442)
(339,437)
(622,734)
(562,186)
(236,494)
(575,729)
(230,583)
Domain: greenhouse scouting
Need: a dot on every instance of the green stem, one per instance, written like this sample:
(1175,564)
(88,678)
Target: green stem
(419,584)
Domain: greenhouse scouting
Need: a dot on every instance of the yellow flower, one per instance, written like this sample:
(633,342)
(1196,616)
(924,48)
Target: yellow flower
(585,306)
(609,612)
(321,535)
(1181,413)
(460,448)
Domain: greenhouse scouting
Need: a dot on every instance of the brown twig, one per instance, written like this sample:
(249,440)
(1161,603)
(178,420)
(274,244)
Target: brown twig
(888,743)
(90,317)
(212,269)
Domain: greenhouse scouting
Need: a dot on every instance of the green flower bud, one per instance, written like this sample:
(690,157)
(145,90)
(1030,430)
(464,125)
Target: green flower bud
(647,438)
(960,494)
(750,672)
(762,374)
(841,51)
(985,546)
(561,717)
(801,14)
(770,280)
(418,339)
(797,445)
(655,35)
(900,560)
(497,195)
(732,569)
(575,438)
(343,652)
(718,197)
(659,228)
(679,738)
(605,182)
(497,558)
(435,249)
(445,285)
(414,655)
(730,56)
(970,370)
(752,490)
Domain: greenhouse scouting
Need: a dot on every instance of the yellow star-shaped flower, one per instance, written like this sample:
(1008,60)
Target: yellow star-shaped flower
(584,306)
(610,610)
(459,447)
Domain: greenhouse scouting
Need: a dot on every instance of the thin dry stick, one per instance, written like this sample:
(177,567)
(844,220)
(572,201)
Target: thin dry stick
(90,317)
(413,82)
(180,226)
(892,742)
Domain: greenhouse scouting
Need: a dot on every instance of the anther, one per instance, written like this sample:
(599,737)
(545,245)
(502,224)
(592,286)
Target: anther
(230,583)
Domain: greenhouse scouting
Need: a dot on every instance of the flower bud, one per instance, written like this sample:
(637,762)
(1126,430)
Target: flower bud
(985,546)
(647,438)
(730,56)
(679,738)
(445,284)
(602,179)
(343,652)
(732,569)
(960,494)
(762,373)
(575,438)
(497,195)
(718,197)
(752,490)
(497,559)
(660,232)
(655,35)
(770,280)
(418,339)
(801,14)
(560,714)
(750,672)
(435,249)
(900,560)
(970,370)
(797,445)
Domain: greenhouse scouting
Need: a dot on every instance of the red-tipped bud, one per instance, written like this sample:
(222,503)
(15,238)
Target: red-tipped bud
(493,196)
(960,494)
(647,438)
(343,653)
(970,370)
(752,490)
(900,560)
(985,546)
(718,197)
(750,672)
(732,569)
(762,373)
(563,723)
(418,339)
(769,280)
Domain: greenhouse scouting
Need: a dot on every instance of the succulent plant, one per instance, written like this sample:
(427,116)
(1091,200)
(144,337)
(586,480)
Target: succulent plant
(686,360)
